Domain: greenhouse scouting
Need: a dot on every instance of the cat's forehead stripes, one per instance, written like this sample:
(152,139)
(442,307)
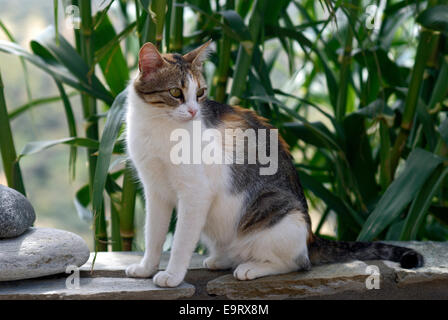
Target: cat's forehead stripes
(175,72)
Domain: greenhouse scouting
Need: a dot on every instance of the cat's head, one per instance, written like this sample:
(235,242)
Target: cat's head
(172,82)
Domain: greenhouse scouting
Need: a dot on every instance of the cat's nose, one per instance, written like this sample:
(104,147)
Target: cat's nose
(192,112)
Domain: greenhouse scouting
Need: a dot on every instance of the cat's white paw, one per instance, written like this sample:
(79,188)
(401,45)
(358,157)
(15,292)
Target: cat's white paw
(214,263)
(139,271)
(166,279)
(246,271)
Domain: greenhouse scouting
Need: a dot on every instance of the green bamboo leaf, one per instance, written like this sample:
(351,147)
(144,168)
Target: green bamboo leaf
(436,232)
(322,136)
(275,8)
(22,61)
(38,146)
(435,18)
(375,110)
(102,15)
(441,86)
(276,31)
(81,202)
(244,56)
(378,63)
(106,147)
(113,63)
(419,208)
(394,17)
(440,213)
(394,231)
(428,124)
(71,122)
(57,71)
(359,156)
(419,166)
(236,24)
(331,200)
(67,56)
(7,149)
(144,4)
(304,133)
(307,102)
(36,103)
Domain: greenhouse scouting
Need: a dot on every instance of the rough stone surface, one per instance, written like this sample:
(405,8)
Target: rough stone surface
(109,264)
(334,281)
(40,252)
(92,288)
(348,280)
(16,213)
(435,265)
(319,281)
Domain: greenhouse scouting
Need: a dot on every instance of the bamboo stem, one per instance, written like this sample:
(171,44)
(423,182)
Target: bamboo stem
(128,208)
(423,51)
(222,72)
(89,112)
(159,9)
(344,76)
(177,20)
(244,58)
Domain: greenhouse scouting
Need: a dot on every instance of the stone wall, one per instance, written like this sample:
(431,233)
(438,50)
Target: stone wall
(352,280)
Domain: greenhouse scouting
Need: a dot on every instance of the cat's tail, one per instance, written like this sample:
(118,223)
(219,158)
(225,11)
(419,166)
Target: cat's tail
(327,251)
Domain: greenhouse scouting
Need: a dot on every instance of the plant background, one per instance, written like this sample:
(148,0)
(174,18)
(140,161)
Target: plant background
(48,185)
(342,115)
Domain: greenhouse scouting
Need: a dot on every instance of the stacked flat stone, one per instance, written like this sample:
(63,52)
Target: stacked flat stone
(27,252)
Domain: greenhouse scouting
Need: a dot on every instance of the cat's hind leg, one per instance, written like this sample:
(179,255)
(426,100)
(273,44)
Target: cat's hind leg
(218,263)
(218,258)
(255,269)
(279,249)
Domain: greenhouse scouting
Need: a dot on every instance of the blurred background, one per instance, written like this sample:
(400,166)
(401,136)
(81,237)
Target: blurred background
(46,175)
(357,88)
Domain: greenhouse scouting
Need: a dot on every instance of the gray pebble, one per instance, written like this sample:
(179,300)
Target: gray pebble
(16,213)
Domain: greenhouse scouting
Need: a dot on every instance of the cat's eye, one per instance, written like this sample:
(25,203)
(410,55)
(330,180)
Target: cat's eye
(200,92)
(176,92)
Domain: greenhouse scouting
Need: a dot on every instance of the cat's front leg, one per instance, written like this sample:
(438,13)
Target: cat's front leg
(192,214)
(158,214)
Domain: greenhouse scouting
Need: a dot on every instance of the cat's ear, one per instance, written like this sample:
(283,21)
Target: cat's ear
(198,55)
(149,59)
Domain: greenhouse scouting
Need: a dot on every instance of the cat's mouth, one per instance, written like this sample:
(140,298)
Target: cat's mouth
(185,118)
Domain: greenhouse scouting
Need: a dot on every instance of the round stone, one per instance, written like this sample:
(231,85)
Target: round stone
(16,213)
(41,252)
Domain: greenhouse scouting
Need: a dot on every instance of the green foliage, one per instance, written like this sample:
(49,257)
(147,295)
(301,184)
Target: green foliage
(363,106)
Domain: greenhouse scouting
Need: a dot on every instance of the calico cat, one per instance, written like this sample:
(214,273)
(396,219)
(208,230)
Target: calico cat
(257,224)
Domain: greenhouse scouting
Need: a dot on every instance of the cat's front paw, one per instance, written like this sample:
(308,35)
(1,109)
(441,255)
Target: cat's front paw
(166,279)
(140,271)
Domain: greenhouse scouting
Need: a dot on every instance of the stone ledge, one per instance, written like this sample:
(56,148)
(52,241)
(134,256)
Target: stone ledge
(435,266)
(335,281)
(115,263)
(319,281)
(92,288)
(348,280)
